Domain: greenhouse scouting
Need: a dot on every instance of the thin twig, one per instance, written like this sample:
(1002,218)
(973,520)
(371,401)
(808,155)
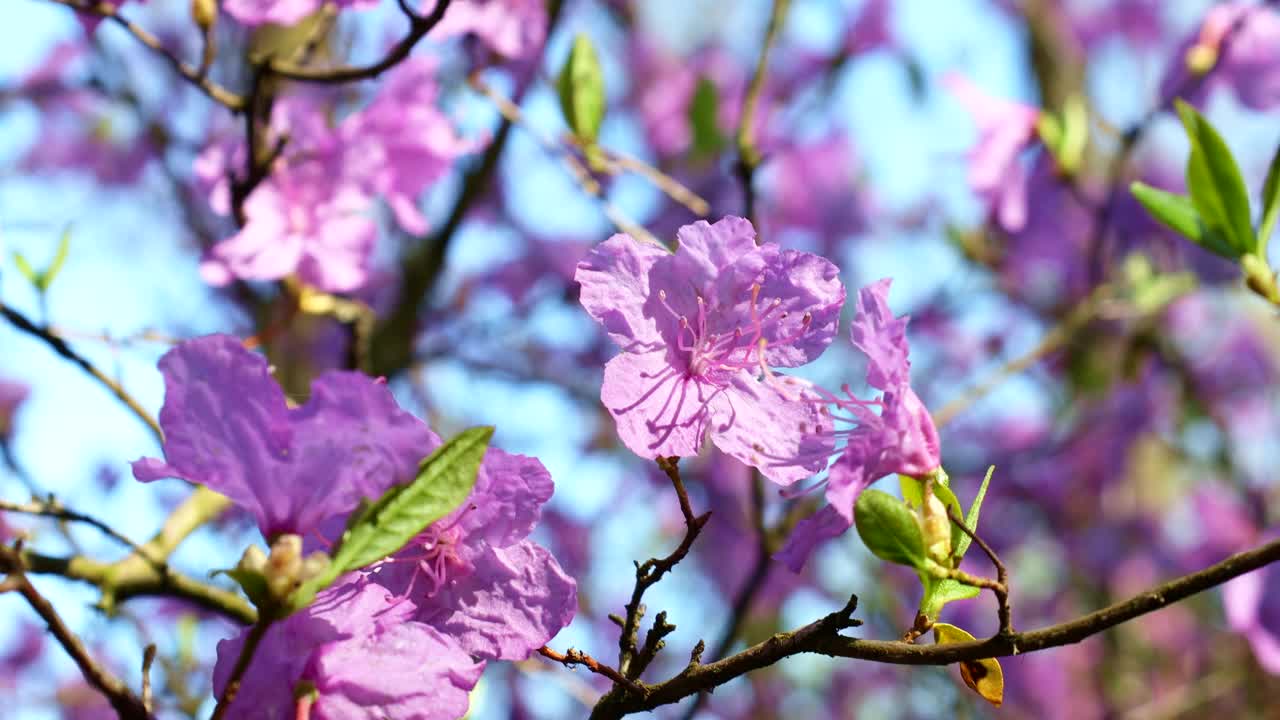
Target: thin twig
(419,26)
(55,509)
(108,11)
(577,657)
(59,346)
(1001,586)
(652,570)
(232,687)
(127,705)
(148,657)
(748,154)
(1054,340)
(579,172)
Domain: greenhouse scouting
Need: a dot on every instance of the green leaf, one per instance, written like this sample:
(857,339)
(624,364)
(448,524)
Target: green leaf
(704,121)
(1175,211)
(1216,185)
(444,481)
(937,593)
(971,520)
(888,528)
(253,584)
(25,269)
(59,259)
(1270,204)
(581,86)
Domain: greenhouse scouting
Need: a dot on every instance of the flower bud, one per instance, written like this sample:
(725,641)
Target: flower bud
(204,13)
(935,526)
(253,560)
(284,566)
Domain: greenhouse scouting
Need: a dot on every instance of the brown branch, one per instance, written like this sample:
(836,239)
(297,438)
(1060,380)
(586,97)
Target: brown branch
(577,657)
(1001,586)
(59,346)
(748,154)
(107,11)
(823,638)
(127,705)
(652,570)
(392,346)
(55,509)
(419,26)
(148,658)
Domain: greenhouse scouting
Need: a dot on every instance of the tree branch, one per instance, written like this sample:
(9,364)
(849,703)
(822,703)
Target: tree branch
(213,90)
(59,346)
(419,26)
(127,705)
(823,638)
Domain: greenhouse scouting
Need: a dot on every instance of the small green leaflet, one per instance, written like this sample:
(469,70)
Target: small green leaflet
(42,279)
(581,86)
(888,528)
(1216,185)
(377,530)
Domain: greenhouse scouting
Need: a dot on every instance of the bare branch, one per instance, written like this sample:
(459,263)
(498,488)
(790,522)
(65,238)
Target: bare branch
(107,11)
(127,705)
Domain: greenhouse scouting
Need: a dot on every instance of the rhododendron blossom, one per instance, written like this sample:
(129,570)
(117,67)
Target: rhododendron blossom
(311,216)
(701,330)
(471,585)
(227,426)
(1005,129)
(900,438)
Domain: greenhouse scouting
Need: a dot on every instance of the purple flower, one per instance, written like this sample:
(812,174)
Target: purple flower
(871,29)
(1252,604)
(473,574)
(813,189)
(901,438)
(1005,129)
(1239,46)
(227,426)
(354,652)
(12,395)
(700,330)
(512,28)
(311,215)
(396,640)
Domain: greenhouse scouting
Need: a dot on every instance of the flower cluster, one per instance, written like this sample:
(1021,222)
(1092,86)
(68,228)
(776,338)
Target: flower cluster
(701,330)
(408,637)
(311,215)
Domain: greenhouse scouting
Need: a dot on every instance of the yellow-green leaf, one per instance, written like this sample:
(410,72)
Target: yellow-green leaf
(982,676)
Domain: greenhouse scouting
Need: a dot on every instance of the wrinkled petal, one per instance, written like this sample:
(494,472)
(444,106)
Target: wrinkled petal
(793,285)
(705,249)
(407,671)
(227,426)
(224,419)
(615,286)
(507,500)
(882,337)
(516,600)
(775,429)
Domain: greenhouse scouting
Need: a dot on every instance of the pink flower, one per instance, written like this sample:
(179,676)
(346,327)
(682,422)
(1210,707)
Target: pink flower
(901,438)
(311,216)
(512,28)
(1005,129)
(700,331)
